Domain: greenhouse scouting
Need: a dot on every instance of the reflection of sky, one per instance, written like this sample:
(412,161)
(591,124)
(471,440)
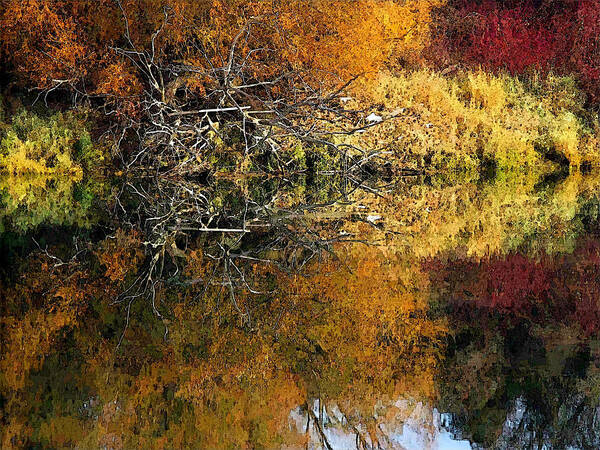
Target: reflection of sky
(415,427)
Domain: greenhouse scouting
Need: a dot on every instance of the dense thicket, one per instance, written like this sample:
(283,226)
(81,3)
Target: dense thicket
(227,209)
(522,36)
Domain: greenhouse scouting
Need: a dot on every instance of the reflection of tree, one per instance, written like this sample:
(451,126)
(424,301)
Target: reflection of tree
(354,328)
(48,172)
(522,337)
(512,212)
(201,164)
(354,334)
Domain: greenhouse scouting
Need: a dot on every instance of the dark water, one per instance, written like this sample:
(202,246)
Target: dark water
(512,273)
(464,314)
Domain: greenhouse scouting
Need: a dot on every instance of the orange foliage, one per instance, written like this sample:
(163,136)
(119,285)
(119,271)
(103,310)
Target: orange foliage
(117,79)
(44,43)
(73,41)
(370,319)
(55,297)
(121,255)
(347,39)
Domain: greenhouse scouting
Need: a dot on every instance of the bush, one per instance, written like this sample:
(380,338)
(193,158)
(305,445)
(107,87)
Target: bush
(519,37)
(465,120)
(46,171)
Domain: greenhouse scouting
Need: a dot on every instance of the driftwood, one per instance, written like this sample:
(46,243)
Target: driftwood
(170,192)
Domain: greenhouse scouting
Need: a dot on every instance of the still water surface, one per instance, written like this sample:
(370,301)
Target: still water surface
(506,272)
(464,314)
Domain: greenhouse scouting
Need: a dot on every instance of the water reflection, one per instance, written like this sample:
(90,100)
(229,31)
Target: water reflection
(473,322)
(406,424)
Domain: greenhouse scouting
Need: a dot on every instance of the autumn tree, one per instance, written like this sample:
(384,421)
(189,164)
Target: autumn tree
(71,43)
(520,37)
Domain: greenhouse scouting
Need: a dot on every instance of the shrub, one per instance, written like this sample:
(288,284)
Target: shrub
(465,120)
(46,166)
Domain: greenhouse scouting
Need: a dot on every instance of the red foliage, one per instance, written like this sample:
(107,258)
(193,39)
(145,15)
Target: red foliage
(579,275)
(514,284)
(558,35)
(511,39)
(586,47)
(564,289)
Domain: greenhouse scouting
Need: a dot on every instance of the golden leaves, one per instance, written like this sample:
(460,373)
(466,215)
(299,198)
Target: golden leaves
(458,121)
(121,255)
(347,39)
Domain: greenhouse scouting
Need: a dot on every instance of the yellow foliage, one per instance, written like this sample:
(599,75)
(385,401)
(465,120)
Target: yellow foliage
(29,200)
(42,176)
(461,121)
(50,154)
(478,219)
(353,38)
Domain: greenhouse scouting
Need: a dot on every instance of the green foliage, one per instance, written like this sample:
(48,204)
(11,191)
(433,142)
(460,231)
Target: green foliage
(49,171)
